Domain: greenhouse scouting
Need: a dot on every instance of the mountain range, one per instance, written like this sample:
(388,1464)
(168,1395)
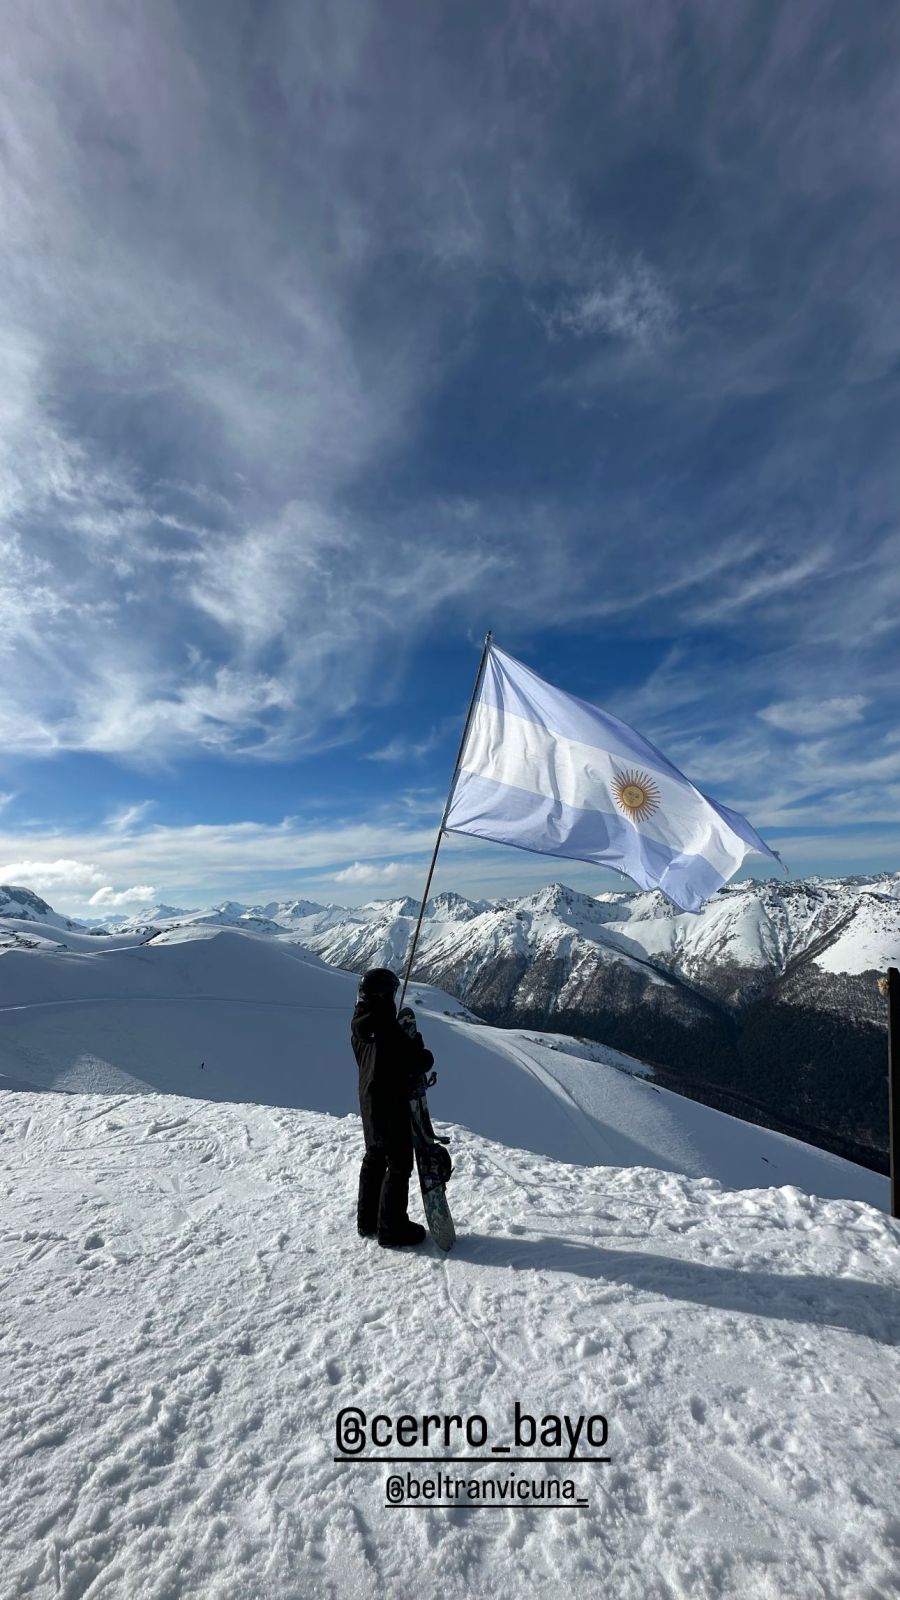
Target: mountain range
(765,1004)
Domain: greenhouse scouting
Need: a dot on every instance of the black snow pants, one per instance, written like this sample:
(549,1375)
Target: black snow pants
(386,1166)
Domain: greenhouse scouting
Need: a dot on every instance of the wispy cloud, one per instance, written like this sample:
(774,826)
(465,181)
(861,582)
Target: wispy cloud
(278,401)
(127,818)
(776,578)
(152,318)
(404,749)
(206,861)
(815,716)
(629,303)
(368,872)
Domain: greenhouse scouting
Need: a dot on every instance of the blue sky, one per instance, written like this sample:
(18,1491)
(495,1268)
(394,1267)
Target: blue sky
(333,336)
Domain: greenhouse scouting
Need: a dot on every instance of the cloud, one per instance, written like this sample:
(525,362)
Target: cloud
(6,798)
(141,894)
(60,874)
(127,818)
(211,860)
(402,748)
(399,749)
(256,862)
(367,872)
(171,322)
(626,303)
(277,401)
(815,716)
(776,579)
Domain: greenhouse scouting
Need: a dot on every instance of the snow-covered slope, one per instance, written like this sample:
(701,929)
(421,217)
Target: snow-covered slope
(157,913)
(188,1310)
(306,918)
(229,1015)
(456,929)
(731,1004)
(300,913)
(756,925)
(771,925)
(868,941)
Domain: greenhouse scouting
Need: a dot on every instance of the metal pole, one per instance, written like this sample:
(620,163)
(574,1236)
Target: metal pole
(894,1085)
(437,844)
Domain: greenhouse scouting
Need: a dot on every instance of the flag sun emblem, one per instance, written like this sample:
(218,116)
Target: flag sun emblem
(637,794)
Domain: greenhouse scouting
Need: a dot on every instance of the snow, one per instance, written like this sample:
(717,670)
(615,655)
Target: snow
(759,925)
(188,1309)
(187,1306)
(268,1021)
(750,927)
(27,906)
(847,925)
(870,941)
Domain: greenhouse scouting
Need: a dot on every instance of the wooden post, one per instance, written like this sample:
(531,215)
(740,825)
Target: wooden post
(894,1085)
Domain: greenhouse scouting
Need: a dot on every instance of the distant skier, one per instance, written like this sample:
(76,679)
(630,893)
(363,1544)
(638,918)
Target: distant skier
(388,1060)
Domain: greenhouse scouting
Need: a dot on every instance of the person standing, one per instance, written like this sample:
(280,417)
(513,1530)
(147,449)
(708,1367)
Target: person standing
(389,1061)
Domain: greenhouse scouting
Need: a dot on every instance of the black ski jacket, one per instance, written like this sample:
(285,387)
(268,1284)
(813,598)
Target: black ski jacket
(389,1062)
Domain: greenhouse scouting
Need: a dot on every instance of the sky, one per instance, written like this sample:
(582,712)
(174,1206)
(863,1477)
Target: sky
(333,335)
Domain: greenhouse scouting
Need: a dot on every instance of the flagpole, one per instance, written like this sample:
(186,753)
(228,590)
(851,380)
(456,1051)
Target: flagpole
(437,844)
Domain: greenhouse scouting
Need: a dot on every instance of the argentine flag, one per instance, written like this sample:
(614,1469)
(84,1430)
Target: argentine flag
(548,772)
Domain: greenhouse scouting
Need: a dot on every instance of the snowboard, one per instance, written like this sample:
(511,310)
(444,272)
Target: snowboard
(432,1158)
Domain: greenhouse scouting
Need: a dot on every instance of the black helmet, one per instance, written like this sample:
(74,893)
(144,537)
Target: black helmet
(378,982)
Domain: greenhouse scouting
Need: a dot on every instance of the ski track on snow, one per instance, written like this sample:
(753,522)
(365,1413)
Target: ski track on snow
(188,1307)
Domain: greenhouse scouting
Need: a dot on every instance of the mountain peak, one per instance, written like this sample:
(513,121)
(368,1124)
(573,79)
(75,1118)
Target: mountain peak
(29,902)
(570,905)
(290,908)
(448,906)
(404,907)
(18,902)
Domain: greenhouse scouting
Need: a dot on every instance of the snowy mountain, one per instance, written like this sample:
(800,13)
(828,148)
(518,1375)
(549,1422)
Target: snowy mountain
(745,929)
(23,905)
(308,917)
(230,914)
(159,913)
(122,1015)
(187,1308)
(765,1004)
(287,913)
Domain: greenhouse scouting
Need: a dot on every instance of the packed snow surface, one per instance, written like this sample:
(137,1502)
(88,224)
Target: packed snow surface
(187,1308)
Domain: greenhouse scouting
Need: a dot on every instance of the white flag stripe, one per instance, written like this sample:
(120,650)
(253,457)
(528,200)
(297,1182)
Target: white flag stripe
(511,750)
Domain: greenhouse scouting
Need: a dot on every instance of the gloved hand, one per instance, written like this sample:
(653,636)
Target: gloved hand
(406,1018)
